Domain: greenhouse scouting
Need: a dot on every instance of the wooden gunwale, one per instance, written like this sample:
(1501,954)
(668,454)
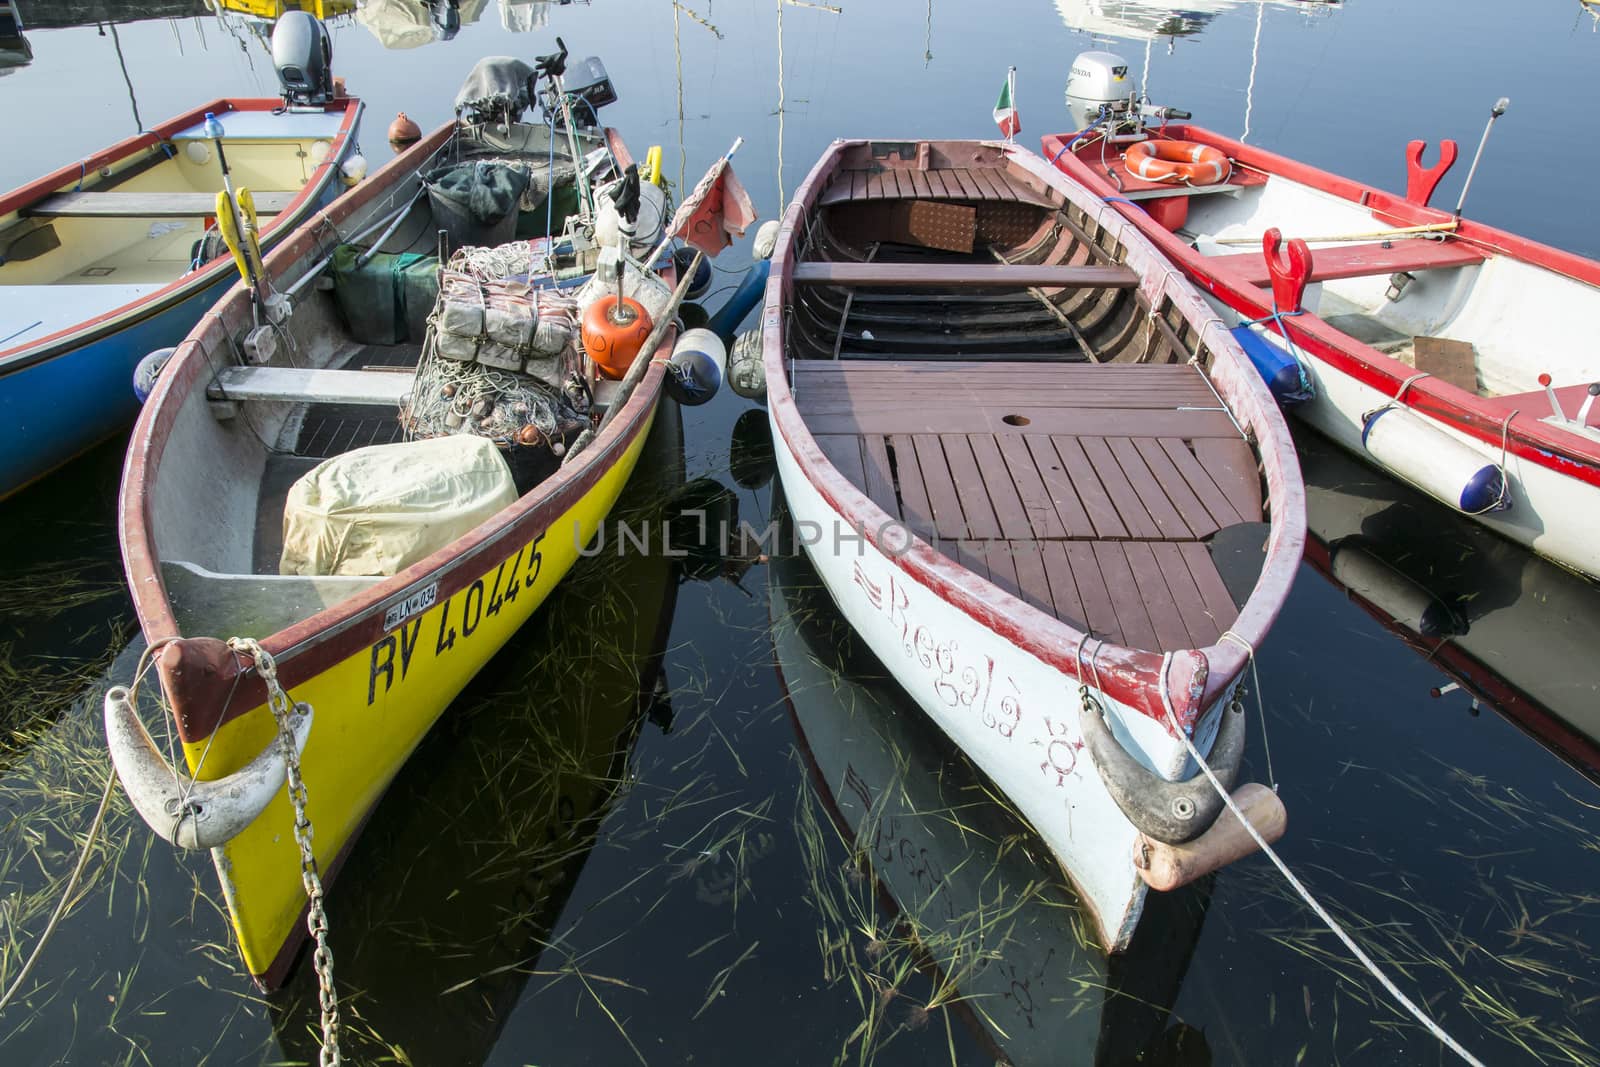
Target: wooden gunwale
(332,635)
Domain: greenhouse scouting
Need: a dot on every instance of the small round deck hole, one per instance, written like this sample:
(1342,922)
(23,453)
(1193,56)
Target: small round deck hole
(1015,420)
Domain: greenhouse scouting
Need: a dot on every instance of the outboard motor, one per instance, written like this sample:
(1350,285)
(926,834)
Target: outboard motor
(1098,85)
(302,53)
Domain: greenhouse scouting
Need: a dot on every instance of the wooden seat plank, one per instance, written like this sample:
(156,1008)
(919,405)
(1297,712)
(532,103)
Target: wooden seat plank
(1358,260)
(1063,587)
(915,510)
(1216,502)
(1132,619)
(302,386)
(1043,518)
(1086,485)
(948,521)
(880,476)
(1232,466)
(1015,520)
(956,275)
(1117,486)
(1162,511)
(1159,603)
(974,498)
(1064,422)
(1176,490)
(1203,626)
(111,204)
(1213,591)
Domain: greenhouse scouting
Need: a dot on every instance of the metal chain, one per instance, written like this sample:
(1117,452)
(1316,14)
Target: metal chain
(316,916)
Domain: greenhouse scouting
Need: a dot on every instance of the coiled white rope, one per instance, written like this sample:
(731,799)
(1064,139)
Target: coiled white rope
(1305,894)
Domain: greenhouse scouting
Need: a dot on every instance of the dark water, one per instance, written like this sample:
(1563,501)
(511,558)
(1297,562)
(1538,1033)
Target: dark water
(612,850)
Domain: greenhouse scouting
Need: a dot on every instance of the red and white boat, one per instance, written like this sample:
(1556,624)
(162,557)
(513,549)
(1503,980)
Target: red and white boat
(1017,446)
(1444,351)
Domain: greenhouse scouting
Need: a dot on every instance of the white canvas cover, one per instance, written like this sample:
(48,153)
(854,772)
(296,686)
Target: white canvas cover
(377,510)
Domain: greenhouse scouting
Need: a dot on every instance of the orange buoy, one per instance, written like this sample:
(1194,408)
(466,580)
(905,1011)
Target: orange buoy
(612,337)
(403,132)
(1177,161)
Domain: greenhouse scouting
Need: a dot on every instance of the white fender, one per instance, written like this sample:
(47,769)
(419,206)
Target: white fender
(182,811)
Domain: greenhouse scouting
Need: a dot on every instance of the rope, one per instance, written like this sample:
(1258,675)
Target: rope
(1505,479)
(316,917)
(1305,894)
(1261,707)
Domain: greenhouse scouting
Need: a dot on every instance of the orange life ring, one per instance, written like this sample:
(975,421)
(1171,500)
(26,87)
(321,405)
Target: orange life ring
(1177,161)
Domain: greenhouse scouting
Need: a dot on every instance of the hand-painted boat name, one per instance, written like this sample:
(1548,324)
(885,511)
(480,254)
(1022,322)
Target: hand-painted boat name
(958,684)
(415,604)
(484,598)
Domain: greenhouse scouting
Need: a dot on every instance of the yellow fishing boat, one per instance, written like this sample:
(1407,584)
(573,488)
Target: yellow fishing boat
(369,615)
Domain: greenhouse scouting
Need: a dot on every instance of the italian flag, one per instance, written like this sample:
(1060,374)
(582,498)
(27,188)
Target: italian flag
(1005,109)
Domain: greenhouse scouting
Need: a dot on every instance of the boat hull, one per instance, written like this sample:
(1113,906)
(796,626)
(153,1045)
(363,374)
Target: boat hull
(373,706)
(1013,714)
(55,410)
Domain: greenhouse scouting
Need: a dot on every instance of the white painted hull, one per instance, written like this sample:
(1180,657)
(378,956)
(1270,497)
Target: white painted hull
(1015,716)
(1552,514)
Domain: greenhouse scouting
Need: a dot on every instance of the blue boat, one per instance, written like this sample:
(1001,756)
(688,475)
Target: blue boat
(113,256)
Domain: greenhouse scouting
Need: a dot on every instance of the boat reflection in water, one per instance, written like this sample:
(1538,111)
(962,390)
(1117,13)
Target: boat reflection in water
(1514,631)
(1144,20)
(15,51)
(974,892)
(401,24)
(445,907)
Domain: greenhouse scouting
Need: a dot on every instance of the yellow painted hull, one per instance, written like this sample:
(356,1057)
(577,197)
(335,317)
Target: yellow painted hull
(371,710)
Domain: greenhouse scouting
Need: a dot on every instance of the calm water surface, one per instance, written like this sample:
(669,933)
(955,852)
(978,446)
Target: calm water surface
(633,841)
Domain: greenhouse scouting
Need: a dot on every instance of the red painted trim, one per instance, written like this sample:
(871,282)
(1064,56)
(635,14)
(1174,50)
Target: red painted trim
(79,333)
(1529,439)
(1132,676)
(330,636)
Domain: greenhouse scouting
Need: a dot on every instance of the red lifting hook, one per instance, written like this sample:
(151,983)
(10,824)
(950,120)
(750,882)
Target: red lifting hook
(1290,271)
(1422,181)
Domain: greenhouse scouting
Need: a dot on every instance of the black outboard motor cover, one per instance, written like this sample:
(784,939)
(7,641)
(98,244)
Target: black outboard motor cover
(302,53)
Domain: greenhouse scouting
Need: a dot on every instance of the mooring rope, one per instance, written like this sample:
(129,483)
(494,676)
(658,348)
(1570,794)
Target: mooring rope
(1305,894)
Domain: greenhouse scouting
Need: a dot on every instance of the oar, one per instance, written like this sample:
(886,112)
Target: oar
(214,131)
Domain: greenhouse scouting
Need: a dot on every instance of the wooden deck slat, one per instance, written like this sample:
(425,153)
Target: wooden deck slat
(1086,486)
(919,184)
(1002,569)
(1031,576)
(1232,466)
(1100,614)
(1213,592)
(981,519)
(1120,490)
(1162,511)
(1043,518)
(966,554)
(1203,626)
(1052,469)
(858,185)
(986,184)
(969,188)
(948,522)
(915,511)
(1159,603)
(875,187)
(937,186)
(880,477)
(1199,482)
(1176,490)
(1063,587)
(1015,521)
(1133,620)
(844,452)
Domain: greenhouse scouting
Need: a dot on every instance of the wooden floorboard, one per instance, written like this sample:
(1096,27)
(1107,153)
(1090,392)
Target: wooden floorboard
(1103,530)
